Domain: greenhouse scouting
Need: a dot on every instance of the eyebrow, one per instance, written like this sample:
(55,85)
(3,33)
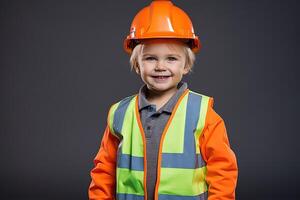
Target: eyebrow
(168,55)
(148,54)
(173,54)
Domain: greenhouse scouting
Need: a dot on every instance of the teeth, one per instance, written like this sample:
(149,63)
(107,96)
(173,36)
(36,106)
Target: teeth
(161,77)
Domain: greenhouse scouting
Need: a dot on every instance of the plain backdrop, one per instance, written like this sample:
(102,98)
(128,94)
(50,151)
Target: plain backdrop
(62,65)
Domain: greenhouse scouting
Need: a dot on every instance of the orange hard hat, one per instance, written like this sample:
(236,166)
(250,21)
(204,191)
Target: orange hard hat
(161,19)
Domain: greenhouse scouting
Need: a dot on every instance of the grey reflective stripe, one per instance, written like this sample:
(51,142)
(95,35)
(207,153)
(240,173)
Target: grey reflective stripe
(120,113)
(200,162)
(129,197)
(202,196)
(125,160)
(186,159)
(131,162)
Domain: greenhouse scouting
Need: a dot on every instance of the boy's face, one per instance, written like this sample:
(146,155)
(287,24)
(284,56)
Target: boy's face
(162,64)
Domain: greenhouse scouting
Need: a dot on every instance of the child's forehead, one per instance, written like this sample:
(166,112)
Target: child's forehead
(170,45)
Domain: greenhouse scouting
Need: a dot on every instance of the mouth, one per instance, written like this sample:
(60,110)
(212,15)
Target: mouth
(161,78)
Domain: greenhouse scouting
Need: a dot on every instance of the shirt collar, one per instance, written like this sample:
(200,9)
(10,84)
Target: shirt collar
(168,107)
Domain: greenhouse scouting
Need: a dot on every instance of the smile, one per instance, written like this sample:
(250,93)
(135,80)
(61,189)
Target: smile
(161,79)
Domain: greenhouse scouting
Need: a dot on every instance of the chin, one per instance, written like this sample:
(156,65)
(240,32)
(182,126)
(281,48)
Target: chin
(162,88)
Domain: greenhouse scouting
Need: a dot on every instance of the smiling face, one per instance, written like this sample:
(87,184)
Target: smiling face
(162,65)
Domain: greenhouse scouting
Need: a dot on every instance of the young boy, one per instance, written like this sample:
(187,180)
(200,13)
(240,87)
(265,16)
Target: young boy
(166,142)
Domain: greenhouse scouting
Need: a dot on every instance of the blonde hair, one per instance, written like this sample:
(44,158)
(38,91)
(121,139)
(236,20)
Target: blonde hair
(189,54)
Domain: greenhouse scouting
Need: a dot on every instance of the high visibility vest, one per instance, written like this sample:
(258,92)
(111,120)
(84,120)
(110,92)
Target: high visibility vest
(181,170)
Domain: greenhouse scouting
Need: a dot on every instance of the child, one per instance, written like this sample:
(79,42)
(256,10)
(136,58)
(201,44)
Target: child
(166,142)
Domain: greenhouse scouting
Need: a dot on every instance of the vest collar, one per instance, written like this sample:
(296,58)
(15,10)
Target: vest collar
(143,103)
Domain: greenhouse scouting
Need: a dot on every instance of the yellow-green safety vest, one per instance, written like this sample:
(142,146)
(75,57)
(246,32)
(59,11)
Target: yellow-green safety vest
(181,170)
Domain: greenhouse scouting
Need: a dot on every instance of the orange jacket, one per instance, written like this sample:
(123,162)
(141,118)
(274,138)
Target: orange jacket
(215,149)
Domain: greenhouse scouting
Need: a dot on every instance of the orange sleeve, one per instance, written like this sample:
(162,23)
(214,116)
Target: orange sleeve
(102,186)
(220,160)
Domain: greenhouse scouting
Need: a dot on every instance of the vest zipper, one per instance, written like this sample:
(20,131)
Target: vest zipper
(161,143)
(144,145)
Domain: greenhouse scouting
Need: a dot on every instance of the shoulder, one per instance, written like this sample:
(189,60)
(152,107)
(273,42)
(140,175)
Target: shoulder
(211,116)
(115,112)
(121,103)
(205,99)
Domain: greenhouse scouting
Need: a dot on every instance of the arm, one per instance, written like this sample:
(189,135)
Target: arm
(220,159)
(103,174)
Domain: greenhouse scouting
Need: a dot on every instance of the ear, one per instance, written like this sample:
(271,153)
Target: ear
(137,69)
(186,70)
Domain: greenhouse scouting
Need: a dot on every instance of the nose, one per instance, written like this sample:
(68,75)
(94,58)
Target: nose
(160,66)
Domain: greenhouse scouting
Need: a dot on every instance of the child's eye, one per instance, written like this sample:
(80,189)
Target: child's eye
(150,58)
(172,58)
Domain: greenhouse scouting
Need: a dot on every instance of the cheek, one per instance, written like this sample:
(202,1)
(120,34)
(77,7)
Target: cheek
(147,66)
(144,70)
(177,68)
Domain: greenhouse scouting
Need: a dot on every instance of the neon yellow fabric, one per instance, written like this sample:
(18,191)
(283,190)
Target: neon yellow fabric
(132,181)
(173,181)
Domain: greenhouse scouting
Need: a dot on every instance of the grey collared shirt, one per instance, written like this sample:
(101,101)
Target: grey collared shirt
(154,122)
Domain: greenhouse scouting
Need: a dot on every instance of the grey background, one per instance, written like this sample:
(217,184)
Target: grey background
(62,65)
